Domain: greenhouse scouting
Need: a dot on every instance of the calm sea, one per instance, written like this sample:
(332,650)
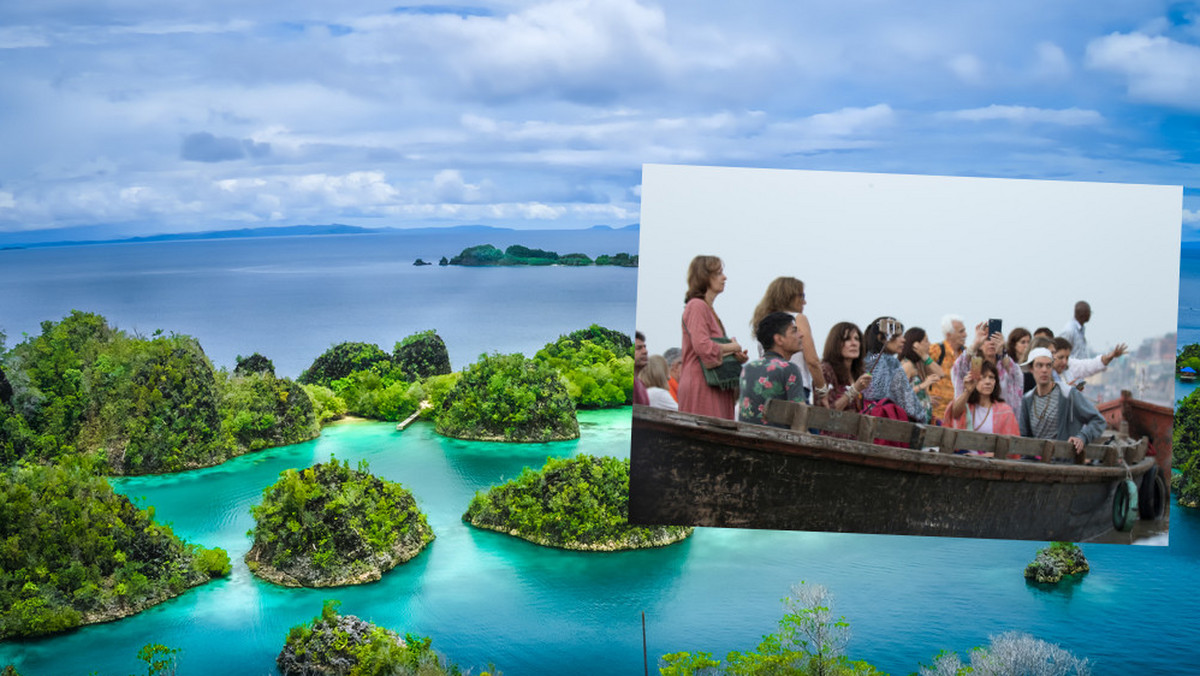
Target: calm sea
(484,597)
(291,298)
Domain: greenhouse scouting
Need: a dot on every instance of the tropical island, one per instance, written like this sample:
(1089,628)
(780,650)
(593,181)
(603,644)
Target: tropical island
(508,398)
(1185,436)
(597,365)
(1053,563)
(329,525)
(140,405)
(344,645)
(486,255)
(580,503)
(73,552)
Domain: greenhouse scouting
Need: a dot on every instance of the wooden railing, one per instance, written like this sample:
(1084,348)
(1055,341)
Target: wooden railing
(870,429)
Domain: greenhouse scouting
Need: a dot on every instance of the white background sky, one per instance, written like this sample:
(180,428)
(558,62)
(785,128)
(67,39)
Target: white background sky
(913,247)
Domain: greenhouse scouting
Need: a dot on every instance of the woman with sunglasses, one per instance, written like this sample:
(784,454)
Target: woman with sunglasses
(884,339)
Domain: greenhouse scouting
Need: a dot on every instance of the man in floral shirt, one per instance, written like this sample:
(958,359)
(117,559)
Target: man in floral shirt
(773,376)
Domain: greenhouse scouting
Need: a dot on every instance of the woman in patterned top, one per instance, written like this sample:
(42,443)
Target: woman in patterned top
(884,342)
(920,368)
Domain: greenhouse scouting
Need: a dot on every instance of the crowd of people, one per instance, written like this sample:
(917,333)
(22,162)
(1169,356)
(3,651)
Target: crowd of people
(1029,384)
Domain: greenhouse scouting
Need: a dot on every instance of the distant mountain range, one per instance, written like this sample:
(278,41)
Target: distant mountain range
(26,240)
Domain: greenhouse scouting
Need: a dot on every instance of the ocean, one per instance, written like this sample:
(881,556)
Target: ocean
(485,597)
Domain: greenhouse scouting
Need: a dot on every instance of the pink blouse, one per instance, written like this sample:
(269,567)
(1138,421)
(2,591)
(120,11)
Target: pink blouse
(700,326)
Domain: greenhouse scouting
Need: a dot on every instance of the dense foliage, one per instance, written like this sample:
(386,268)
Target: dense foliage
(508,398)
(576,503)
(810,641)
(422,355)
(331,525)
(1188,355)
(487,255)
(255,363)
(344,645)
(1053,563)
(361,379)
(1185,440)
(142,405)
(74,552)
(261,411)
(343,359)
(597,364)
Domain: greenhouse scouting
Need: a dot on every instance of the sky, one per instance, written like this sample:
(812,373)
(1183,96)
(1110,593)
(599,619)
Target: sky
(137,117)
(868,245)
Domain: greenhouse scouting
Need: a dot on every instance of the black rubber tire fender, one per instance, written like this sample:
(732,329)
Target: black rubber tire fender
(1151,494)
(1124,498)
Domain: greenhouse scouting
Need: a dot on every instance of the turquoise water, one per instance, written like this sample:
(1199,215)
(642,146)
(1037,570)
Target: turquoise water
(485,597)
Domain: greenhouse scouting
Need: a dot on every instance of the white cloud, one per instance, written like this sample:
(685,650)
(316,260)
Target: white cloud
(449,186)
(967,67)
(1052,63)
(1066,117)
(1156,68)
(20,37)
(1191,217)
(7,201)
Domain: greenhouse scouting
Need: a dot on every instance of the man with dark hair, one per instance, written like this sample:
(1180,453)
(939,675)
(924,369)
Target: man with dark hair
(640,356)
(1043,331)
(1049,412)
(1074,330)
(773,376)
(1070,371)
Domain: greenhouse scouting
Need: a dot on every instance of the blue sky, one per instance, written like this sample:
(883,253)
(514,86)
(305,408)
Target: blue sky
(147,117)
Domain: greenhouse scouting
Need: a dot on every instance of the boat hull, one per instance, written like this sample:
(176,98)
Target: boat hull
(694,470)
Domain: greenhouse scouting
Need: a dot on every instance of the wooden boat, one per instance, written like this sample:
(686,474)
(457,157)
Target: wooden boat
(695,470)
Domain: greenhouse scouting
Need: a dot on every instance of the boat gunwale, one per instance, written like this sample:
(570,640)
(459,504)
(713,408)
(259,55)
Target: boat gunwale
(783,441)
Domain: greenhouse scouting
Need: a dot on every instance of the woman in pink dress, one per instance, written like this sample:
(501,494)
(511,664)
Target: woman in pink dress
(706,279)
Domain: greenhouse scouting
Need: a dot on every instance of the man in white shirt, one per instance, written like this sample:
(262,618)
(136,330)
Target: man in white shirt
(1070,371)
(1074,331)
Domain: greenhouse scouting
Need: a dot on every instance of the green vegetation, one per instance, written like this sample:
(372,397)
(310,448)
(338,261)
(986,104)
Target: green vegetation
(1055,562)
(1185,440)
(508,398)
(141,405)
(623,260)
(1007,654)
(344,645)
(579,503)
(809,642)
(73,552)
(422,355)
(597,364)
(344,359)
(361,379)
(330,525)
(1188,355)
(484,255)
(255,363)
(261,411)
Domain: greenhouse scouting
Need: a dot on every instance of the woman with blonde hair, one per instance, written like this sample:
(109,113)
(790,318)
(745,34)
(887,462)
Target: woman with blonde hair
(706,280)
(786,294)
(655,377)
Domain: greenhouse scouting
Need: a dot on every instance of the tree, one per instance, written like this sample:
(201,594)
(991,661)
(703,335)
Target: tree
(1009,654)
(255,363)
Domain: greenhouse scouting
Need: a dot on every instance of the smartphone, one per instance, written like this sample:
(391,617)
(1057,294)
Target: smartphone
(994,327)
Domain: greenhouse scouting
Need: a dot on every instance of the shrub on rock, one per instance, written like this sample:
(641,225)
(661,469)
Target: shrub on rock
(330,525)
(508,398)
